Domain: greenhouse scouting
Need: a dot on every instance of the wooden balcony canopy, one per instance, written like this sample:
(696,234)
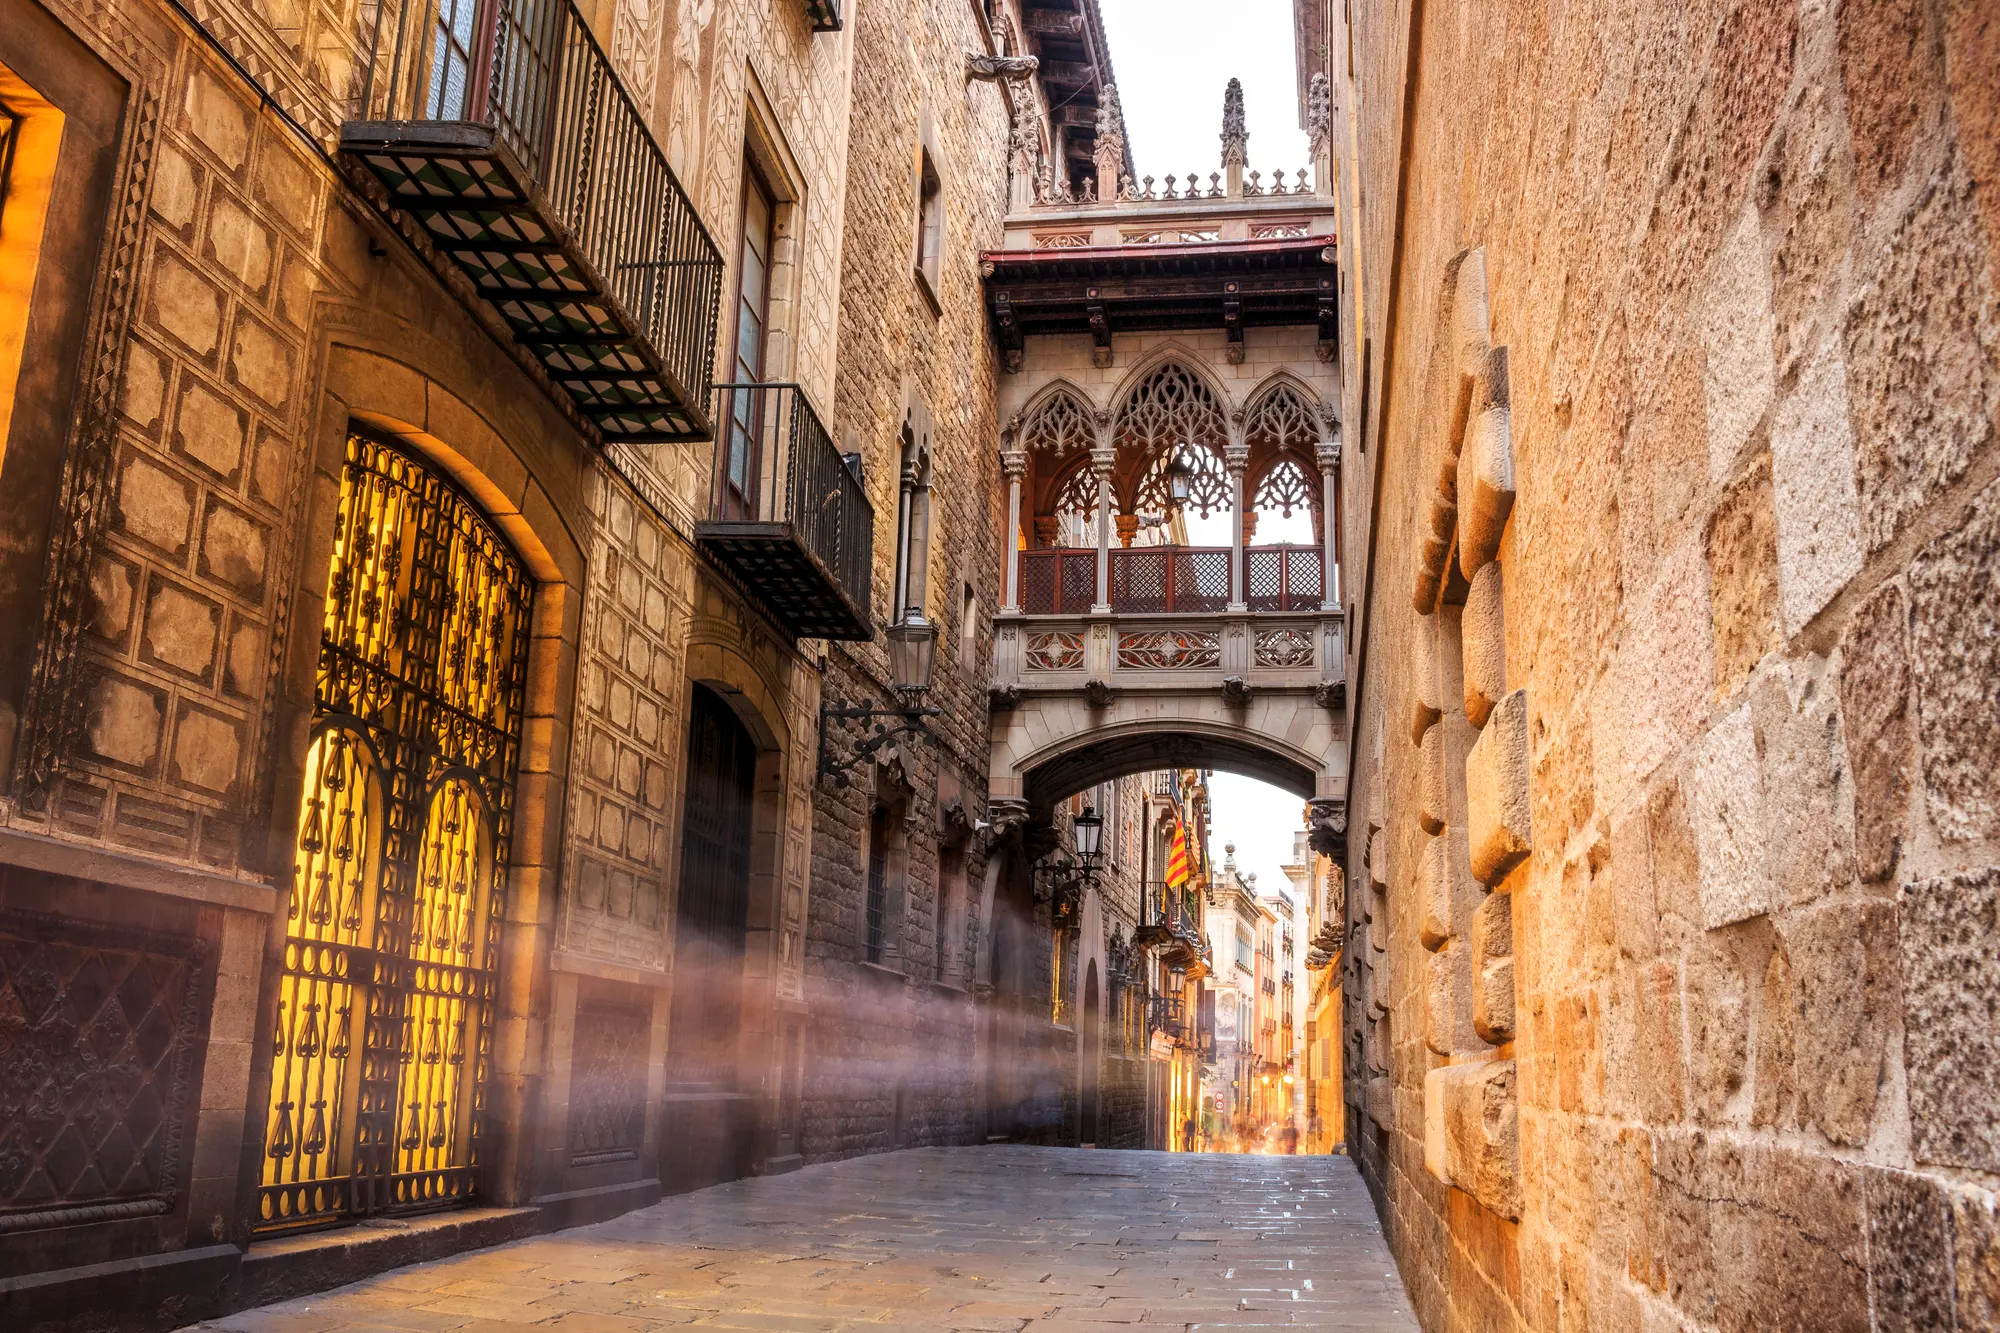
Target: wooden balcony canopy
(1133,288)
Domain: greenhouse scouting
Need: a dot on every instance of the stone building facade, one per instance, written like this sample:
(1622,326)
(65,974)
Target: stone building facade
(1673,546)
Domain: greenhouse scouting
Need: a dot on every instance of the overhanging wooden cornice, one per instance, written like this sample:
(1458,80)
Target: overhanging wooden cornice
(1133,288)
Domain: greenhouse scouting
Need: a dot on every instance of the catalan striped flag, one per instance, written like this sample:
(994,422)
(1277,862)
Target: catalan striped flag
(1177,857)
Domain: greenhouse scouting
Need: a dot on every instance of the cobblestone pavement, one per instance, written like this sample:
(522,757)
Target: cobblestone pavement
(996,1238)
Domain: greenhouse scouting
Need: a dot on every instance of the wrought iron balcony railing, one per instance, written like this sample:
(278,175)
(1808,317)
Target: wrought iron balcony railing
(511,142)
(787,514)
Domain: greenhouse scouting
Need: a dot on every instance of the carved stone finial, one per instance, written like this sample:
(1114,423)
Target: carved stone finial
(1319,113)
(1109,151)
(1235,136)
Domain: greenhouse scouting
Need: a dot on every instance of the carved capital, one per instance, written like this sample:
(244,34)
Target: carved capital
(1013,462)
(1327,452)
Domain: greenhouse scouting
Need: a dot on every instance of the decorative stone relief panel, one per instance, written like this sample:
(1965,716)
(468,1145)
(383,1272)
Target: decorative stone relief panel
(625,766)
(1169,650)
(1283,648)
(1056,651)
(166,579)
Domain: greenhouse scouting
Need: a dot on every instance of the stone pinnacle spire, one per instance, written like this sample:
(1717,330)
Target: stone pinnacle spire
(1235,138)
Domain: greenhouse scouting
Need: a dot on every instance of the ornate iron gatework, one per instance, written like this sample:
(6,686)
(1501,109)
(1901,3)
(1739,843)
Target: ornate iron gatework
(383,1042)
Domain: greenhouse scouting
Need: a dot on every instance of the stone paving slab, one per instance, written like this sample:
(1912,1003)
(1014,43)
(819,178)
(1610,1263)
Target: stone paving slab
(1001,1239)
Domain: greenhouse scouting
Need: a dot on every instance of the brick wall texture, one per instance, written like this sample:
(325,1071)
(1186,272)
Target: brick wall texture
(1741,260)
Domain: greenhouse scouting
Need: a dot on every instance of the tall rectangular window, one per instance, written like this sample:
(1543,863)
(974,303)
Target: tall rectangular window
(742,456)
(930,227)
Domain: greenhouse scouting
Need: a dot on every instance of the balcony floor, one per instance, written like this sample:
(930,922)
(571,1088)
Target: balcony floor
(776,568)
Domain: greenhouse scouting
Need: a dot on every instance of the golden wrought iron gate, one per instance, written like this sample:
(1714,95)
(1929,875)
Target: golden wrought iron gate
(383,1046)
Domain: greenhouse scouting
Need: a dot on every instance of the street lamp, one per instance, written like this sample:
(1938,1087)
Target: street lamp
(1089,834)
(912,654)
(1180,480)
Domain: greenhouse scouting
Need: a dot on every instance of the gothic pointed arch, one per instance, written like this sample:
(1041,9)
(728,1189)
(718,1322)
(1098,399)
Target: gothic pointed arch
(1058,423)
(1281,430)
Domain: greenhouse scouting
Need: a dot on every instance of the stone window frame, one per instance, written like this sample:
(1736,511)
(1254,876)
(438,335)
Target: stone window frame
(927,221)
(768,152)
(911,588)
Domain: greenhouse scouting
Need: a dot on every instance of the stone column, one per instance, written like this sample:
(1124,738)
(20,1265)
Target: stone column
(1327,455)
(1013,462)
(1237,459)
(1101,460)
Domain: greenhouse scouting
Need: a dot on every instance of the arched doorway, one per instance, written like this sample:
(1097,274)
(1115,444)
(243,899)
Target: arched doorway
(702,1050)
(1088,1091)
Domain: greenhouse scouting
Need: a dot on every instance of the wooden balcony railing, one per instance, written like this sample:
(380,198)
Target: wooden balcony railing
(1153,580)
(788,515)
(508,137)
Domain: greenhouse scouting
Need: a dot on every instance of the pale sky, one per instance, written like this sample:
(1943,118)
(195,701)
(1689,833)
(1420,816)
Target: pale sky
(1173,58)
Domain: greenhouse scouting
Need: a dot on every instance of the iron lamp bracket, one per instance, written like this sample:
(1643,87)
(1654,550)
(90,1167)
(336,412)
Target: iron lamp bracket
(863,729)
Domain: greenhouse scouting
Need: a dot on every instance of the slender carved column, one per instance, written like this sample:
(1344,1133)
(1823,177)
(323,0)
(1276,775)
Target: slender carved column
(1013,462)
(1237,459)
(1100,463)
(1327,454)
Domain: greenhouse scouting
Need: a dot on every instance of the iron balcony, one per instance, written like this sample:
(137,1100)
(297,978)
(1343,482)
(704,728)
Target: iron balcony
(532,174)
(787,515)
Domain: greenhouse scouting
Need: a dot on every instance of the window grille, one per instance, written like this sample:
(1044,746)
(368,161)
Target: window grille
(876,908)
(383,1037)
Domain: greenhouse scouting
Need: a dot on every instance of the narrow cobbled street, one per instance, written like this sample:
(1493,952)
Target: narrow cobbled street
(995,1238)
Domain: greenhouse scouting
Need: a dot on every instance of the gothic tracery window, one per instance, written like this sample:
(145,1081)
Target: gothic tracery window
(384,1030)
(1169,409)
(1286,486)
(1283,420)
(1059,427)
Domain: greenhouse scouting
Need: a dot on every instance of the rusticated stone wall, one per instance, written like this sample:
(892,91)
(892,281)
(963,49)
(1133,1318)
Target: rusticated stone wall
(1671,977)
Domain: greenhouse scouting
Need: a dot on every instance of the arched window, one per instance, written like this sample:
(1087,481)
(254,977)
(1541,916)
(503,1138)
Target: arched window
(384,1030)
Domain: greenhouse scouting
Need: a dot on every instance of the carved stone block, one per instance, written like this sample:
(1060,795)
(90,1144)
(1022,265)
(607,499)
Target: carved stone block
(1486,469)
(1496,792)
(1438,1000)
(1485,643)
(1472,1132)
(1435,877)
(1434,810)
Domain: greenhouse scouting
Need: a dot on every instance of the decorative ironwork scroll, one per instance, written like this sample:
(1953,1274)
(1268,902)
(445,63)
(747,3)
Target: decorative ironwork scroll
(384,1028)
(607,1117)
(99,1033)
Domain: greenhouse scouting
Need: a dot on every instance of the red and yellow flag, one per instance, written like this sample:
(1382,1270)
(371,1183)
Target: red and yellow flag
(1177,857)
